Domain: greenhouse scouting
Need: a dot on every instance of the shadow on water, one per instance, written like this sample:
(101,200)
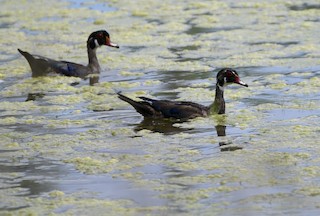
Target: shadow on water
(164,126)
(304,6)
(168,127)
(197,30)
(35,96)
(33,182)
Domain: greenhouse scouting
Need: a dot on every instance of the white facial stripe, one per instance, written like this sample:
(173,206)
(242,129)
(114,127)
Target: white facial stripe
(96,43)
(225,81)
(233,73)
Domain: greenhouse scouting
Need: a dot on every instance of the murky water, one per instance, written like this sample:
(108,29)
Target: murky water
(79,150)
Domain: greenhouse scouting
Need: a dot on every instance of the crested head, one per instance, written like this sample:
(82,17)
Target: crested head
(228,76)
(100,38)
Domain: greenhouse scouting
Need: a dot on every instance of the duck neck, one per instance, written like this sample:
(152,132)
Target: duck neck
(218,105)
(93,61)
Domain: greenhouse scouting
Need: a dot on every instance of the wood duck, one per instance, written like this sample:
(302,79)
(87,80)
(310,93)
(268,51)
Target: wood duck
(42,66)
(151,108)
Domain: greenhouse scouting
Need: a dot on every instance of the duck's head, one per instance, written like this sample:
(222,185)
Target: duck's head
(228,76)
(100,38)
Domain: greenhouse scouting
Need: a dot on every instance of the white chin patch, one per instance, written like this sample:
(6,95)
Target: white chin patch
(221,88)
(96,43)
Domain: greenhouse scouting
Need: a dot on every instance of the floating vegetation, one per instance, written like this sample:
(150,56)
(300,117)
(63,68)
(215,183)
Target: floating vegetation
(70,148)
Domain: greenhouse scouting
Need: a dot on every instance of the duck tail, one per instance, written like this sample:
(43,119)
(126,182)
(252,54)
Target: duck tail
(126,99)
(143,108)
(25,54)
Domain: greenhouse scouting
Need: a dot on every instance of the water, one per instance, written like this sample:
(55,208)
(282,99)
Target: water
(70,148)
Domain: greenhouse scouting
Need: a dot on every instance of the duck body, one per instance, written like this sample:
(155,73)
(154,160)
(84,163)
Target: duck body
(42,66)
(151,108)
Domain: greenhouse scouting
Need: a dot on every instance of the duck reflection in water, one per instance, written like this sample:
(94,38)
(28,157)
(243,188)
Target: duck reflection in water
(164,126)
(168,127)
(225,145)
(35,96)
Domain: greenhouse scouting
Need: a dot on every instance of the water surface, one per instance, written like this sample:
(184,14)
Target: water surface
(77,149)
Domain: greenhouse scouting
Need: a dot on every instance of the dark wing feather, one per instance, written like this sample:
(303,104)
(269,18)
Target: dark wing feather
(177,109)
(180,110)
(70,69)
(167,109)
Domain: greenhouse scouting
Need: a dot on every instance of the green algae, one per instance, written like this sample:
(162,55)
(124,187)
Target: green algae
(57,201)
(89,165)
(126,73)
(310,191)
(65,100)
(38,85)
(187,168)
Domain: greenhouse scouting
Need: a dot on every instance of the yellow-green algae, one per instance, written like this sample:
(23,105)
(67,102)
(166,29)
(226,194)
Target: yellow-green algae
(191,174)
(56,202)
